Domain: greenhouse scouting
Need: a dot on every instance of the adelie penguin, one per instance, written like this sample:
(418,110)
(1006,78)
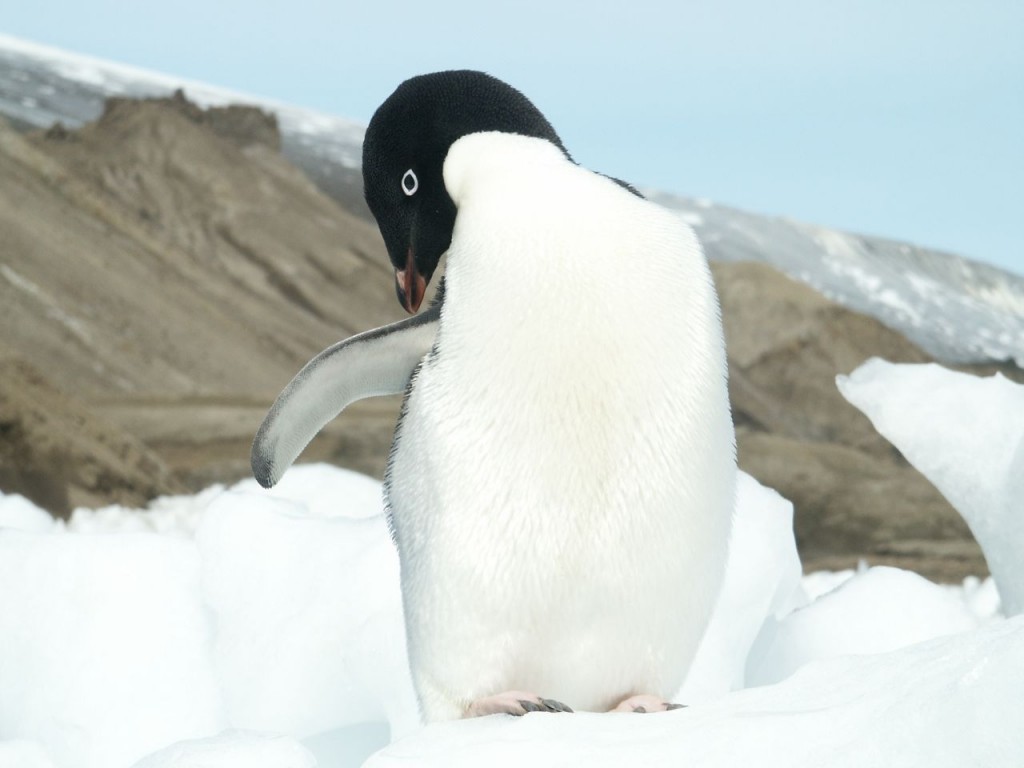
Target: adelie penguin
(561,481)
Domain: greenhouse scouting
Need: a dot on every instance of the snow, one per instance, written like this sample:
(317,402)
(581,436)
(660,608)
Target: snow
(762,584)
(233,749)
(821,583)
(966,435)
(981,597)
(244,627)
(122,632)
(320,491)
(852,620)
(949,702)
(309,615)
(19,514)
(23,754)
(105,646)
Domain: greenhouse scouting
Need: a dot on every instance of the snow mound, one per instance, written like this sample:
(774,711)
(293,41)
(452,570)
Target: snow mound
(762,584)
(948,702)
(23,754)
(125,631)
(966,435)
(981,598)
(310,633)
(19,514)
(172,515)
(233,749)
(104,646)
(852,619)
(148,638)
(321,490)
(325,491)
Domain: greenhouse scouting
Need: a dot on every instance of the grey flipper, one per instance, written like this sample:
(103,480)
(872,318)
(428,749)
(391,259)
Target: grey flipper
(377,362)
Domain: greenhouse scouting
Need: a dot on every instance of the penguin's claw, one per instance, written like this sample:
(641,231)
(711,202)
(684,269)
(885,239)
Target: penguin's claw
(514,703)
(551,705)
(643,703)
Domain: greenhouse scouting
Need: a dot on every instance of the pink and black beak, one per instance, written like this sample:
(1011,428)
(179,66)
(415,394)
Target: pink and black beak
(410,285)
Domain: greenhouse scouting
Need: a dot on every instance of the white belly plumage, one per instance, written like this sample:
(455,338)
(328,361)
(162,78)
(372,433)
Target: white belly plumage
(561,482)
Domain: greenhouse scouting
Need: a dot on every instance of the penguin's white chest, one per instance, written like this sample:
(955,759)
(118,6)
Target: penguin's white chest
(561,481)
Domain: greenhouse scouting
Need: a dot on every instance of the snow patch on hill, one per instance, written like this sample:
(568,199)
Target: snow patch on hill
(958,310)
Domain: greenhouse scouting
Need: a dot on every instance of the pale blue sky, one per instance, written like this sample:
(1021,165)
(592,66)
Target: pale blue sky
(903,119)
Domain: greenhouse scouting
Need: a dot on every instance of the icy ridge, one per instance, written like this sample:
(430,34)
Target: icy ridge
(966,435)
(41,85)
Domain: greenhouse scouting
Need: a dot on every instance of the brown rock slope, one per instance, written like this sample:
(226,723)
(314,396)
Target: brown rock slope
(159,256)
(168,267)
(855,495)
(55,452)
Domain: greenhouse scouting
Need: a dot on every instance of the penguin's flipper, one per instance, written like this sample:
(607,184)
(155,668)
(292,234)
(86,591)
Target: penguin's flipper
(377,362)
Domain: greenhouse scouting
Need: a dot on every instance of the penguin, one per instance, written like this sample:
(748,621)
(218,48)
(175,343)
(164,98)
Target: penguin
(561,481)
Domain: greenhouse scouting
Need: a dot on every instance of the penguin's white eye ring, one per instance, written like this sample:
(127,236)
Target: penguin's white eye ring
(410,183)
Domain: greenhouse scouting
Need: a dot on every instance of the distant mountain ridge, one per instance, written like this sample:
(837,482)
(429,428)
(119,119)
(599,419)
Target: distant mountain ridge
(956,309)
(40,86)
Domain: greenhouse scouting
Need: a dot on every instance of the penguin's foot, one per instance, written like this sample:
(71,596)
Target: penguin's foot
(513,703)
(645,702)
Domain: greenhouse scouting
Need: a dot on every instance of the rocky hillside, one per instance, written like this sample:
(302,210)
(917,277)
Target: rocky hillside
(164,271)
(166,267)
(165,250)
(854,492)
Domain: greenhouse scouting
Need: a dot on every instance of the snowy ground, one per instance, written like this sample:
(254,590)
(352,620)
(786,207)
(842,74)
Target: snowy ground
(241,627)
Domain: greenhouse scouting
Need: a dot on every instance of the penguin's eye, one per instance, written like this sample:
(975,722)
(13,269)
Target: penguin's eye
(410,183)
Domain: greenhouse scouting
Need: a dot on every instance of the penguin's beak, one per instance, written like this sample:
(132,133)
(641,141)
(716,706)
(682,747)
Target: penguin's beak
(410,285)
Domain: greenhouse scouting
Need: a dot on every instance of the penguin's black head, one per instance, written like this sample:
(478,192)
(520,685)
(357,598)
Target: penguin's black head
(403,159)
